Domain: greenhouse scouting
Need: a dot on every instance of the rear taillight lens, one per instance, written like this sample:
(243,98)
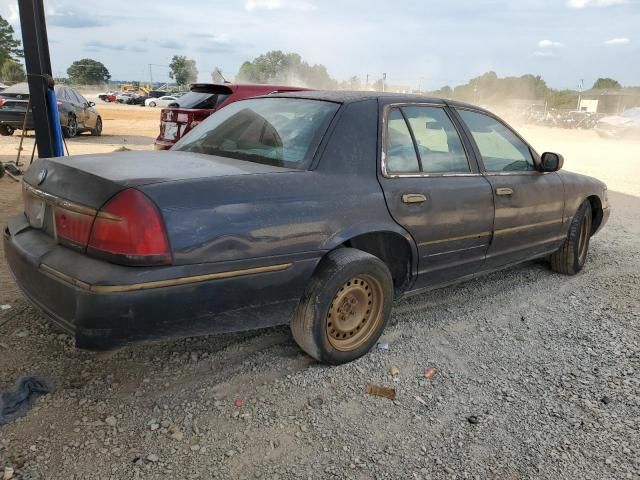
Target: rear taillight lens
(2,101)
(72,227)
(129,230)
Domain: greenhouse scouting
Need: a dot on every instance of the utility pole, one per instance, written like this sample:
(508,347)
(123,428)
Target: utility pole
(150,77)
(38,63)
(384,80)
(580,86)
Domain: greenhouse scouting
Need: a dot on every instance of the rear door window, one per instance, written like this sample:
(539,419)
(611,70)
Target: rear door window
(437,140)
(400,152)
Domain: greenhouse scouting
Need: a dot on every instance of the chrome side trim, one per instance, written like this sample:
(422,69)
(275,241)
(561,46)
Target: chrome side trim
(531,226)
(453,239)
(458,250)
(105,289)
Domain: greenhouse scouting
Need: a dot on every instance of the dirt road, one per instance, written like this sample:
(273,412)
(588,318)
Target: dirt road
(536,376)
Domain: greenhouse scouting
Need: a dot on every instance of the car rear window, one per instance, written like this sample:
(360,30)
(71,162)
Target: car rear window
(206,101)
(275,131)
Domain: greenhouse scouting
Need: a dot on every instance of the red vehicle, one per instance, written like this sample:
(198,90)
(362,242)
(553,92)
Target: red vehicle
(202,101)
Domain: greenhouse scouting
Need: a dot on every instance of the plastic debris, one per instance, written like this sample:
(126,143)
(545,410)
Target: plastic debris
(383,346)
(394,371)
(238,402)
(421,401)
(380,391)
(5,307)
(429,372)
(473,420)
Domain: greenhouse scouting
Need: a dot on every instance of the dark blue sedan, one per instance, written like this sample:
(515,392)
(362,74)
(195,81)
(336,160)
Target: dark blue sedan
(314,209)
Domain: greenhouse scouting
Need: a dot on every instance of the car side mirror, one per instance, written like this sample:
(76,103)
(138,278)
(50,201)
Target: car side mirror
(551,162)
(91,104)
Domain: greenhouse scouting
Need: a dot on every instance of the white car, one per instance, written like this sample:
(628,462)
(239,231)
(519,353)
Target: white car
(165,101)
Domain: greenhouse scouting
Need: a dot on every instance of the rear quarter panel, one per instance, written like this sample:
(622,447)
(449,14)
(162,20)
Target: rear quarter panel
(577,188)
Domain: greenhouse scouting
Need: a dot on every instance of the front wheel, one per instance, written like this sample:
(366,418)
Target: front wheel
(97,130)
(345,307)
(152,104)
(572,255)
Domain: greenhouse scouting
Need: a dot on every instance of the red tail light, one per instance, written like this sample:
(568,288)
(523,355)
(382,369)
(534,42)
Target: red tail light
(2,101)
(72,227)
(129,230)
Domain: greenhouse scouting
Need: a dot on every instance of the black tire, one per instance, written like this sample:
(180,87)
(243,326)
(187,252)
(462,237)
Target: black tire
(152,104)
(97,130)
(71,129)
(6,130)
(344,268)
(572,255)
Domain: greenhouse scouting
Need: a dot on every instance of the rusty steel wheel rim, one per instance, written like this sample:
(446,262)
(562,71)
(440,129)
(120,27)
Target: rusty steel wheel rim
(583,240)
(355,313)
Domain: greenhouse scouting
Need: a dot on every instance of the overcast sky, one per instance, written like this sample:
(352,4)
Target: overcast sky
(416,42)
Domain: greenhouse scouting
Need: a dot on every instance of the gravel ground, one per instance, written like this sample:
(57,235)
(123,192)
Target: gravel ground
(536,376)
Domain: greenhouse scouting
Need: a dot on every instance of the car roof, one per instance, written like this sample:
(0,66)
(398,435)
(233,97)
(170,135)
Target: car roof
(346,96)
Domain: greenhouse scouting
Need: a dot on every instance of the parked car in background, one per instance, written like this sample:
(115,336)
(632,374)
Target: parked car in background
(108,97)
(316,209)
(202,101)
(77,114)
(166,101)
(620,126)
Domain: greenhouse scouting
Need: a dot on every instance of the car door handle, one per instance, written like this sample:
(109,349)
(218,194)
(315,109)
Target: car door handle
(504,191)
(414,198)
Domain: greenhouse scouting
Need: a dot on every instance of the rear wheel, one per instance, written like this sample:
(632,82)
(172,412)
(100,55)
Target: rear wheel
(71,130)
(345,307)
(97,130)
(6,130)
(152,104)
(572,255)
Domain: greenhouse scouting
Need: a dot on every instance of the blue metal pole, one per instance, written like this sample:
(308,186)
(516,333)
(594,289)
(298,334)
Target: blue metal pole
(54,121)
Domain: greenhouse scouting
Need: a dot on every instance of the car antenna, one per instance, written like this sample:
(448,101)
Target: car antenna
(219,72)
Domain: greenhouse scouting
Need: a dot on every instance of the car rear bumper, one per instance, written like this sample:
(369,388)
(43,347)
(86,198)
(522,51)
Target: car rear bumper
(92,299)
(16,120)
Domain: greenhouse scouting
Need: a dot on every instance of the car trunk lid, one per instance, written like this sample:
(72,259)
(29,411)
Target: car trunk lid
(90,180)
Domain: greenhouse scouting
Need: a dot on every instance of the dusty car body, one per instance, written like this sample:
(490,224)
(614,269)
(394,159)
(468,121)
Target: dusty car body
(336,205)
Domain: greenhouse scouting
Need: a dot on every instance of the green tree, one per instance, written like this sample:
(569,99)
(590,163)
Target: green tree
(183,70)
(606,83)
(12,71)
(9,46)
(279,67)
(88,72)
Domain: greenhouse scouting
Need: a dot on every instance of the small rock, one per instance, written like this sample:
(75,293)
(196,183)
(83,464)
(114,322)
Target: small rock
(473,420)
(195,448)
(393,371)
(111,421)
(230,453)
(315,402)
(177,436)
(153,458)
(8,472)
(606,400)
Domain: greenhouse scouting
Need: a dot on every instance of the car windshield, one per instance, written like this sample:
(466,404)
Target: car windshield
(275,131)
